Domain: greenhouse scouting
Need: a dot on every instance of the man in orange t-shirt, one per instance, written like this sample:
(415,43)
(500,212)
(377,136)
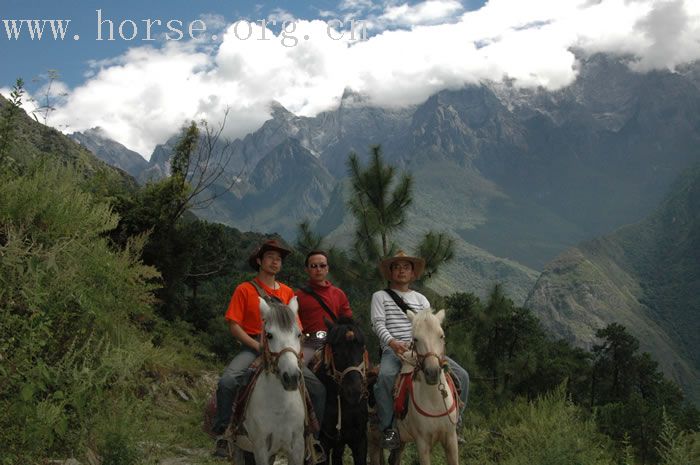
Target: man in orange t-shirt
(245,324)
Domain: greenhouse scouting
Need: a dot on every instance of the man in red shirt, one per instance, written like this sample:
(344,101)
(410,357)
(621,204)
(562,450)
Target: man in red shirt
(311,296)
(245,324)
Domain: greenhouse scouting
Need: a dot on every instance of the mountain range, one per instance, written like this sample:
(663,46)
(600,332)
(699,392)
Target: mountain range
(519,177)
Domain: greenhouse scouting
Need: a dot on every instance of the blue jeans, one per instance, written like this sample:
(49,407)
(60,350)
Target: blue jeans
(383,388)
(237,376)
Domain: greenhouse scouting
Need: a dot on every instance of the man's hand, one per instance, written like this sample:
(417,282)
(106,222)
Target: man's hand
(399,347)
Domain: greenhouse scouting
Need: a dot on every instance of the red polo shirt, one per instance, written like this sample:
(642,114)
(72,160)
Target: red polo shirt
(311,313)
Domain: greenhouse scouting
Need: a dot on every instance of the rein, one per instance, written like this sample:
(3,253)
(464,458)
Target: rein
(337,376)
(419,366)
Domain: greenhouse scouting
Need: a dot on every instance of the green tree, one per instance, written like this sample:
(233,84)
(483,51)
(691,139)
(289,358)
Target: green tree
(631,396)
(307,240)
(436,249)
(378,203)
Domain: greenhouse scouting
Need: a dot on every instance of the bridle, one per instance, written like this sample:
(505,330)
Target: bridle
(338,376)
(271,359)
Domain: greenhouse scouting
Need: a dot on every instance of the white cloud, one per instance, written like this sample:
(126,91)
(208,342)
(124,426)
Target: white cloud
(280,16)
(428,12)
(142,97)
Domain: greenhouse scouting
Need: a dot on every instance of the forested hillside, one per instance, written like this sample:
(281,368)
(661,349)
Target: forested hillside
(111,329)
(645,276)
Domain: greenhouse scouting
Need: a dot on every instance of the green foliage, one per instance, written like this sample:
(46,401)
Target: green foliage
(8,115)
(307,239)
(507,352)
(549,430)
(66,299)
(436,249)
(675,447)
(552,431)
(185,147)
(378,203)
(118,450)
(630,395)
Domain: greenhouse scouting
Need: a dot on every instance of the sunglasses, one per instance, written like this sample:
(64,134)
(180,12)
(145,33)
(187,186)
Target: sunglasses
(318,265)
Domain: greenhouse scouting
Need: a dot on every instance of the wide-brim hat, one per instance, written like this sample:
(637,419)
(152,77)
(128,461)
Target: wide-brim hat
(417,262)
(272,244)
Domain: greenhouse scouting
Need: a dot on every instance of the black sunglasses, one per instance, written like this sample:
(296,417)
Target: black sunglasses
(318,265)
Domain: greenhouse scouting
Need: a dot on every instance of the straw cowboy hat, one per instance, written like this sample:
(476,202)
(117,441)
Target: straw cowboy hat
(272,244)
(385,265)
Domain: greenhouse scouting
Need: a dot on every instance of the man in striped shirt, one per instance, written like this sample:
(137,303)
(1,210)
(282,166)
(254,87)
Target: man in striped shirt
(392,326)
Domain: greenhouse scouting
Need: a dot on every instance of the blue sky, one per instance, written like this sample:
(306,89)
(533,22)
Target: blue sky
(29,58)
(140,91)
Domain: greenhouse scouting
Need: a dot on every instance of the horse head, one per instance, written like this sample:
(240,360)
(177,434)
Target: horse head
(282,341)
(346,359)
(428,343)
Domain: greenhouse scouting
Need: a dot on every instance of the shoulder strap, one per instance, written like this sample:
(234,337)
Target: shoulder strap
(318,298)
(262,293)
(397,298)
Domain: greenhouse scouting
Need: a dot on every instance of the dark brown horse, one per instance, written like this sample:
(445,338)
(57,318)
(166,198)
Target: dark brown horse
(343,371)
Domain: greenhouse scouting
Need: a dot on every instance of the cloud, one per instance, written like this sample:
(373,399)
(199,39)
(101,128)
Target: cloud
(144,96)
(280,16)
(428,12)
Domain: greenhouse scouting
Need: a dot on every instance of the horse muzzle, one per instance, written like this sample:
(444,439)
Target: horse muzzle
(432,375)
(290,382)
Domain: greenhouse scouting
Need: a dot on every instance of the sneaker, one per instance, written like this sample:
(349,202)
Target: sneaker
(222,448)
(391,439)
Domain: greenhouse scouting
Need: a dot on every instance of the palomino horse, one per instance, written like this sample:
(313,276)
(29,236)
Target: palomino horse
(344,374)
(432,411)
(276,408)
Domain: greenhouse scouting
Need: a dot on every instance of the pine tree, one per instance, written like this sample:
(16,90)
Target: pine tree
(379,203)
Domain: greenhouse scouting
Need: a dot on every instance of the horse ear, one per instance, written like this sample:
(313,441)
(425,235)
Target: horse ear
(293,305)
(264,308)
(440,316)
(410,314)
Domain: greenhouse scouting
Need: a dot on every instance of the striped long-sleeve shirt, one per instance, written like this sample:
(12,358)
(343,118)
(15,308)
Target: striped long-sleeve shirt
(389,321)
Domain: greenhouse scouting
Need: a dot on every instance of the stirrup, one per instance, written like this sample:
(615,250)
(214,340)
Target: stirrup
(222,447)
(316,452)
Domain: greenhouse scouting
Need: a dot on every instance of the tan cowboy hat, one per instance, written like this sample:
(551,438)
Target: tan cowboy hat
(272,244)
(385,265)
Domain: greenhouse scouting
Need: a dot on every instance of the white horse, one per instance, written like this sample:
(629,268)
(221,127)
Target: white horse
(276,410)
(433,406)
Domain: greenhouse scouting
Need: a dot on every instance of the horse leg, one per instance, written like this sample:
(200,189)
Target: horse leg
(451,448)
(451,451)
(423,449)
(376,454)
(338,450)
(359,451)
(395,455)
(262,455)
(297,450)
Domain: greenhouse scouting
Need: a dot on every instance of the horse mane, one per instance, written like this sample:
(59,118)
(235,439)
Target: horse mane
(281,316)
(336,333)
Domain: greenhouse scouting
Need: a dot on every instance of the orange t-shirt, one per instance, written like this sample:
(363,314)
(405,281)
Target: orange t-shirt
(244,307)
